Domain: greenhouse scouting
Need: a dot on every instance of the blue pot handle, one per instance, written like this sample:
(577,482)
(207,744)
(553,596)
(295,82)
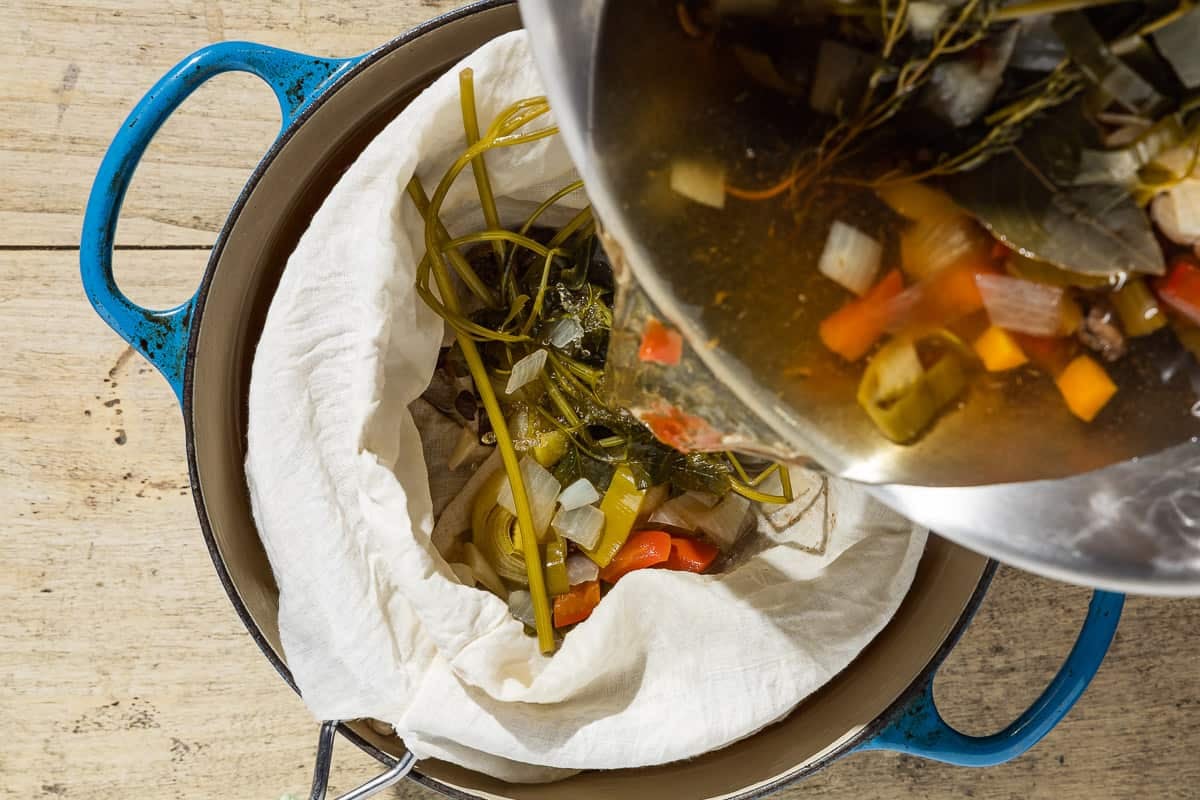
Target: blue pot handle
(918,729)
(162,336)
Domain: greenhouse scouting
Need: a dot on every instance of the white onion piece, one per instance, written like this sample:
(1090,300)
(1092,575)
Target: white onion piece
(542,488)
(702,182)
(466,449)
(1022,306)
(1176,212)
(566,331)
(582,525)
(520,605)
(932,244)
(685,511)
(898,367)
(924,18)
(655,496)
(579,493)
(838,68)
(465,575)
(725,522)
(1179,160)
(526,370)
(898,310)
(581,569)
(483,571)
(851,258)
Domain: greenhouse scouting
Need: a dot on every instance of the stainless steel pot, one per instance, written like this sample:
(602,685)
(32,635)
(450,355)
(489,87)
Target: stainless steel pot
(205,347)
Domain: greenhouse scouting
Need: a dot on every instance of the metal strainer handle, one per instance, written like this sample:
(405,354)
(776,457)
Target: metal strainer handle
(320,784)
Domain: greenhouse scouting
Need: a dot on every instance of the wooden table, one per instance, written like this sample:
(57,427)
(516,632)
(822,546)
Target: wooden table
(123,669)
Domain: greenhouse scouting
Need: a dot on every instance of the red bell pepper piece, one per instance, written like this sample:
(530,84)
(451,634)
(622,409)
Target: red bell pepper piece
(660,344)
(641,550)
(855,327)
(691,555)
(576,605)
(1180,288)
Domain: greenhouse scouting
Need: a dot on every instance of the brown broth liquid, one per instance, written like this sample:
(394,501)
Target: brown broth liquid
(747,275)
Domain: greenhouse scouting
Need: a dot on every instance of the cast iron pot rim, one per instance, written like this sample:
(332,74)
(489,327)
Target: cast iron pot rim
(210,541)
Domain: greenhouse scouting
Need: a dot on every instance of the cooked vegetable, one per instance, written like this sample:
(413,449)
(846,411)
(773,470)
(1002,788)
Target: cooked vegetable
(655,496)
(1086,387)
(685,511)
(917,201)
(853,329)
(581,569)
(691,555)
(526,370)
(903,417)
(934,243)
(621,505)
(576,605)
(580,493)
(557,580)
(543,489)
(1138,309)
(1180,289)
(660,344)
(699,181)
(1177,212)
(583,525)
(998,350)
(520,605)
(851,258)
(725,522)
(641,550)
(1022,306)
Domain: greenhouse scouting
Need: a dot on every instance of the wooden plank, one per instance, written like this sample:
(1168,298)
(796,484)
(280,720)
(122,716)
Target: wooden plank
(130,676)
(74,70)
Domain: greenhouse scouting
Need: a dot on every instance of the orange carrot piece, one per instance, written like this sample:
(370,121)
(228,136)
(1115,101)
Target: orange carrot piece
(641,550)
(855,327)
(1086,387)
(576,605)
(691,555)
(660,344)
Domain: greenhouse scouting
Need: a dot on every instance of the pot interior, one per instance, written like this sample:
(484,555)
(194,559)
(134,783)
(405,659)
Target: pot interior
(245,269)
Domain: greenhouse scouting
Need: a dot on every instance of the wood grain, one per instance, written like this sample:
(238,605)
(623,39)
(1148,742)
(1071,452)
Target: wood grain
(124,672)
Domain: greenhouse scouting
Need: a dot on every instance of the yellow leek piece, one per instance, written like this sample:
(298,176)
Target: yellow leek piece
(621,505)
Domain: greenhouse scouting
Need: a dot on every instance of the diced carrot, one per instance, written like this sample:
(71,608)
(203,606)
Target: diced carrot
(576,605)
(684,432)
(1086,387)
(1050,354)
(641,550)
(660,344)
(691,555)
(855,327)
(946,296)
(998,350)
(1180,288)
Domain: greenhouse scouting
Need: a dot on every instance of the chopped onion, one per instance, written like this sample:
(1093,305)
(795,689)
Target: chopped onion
(465,575)
(851,258)
(725,522)
(579,493)
(924,19)
(1176,212)
(520,605)
(467,449)
(1179,160)
(932,244)
(484,573)
(685,511)
(582,525)
(565,332)
(960,91)
(915,200)
(655,496)
(526,370)
(1022,306)
(581,569)
(898,311)
(897,368)
(543,489)
(702,182)
(839,68)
